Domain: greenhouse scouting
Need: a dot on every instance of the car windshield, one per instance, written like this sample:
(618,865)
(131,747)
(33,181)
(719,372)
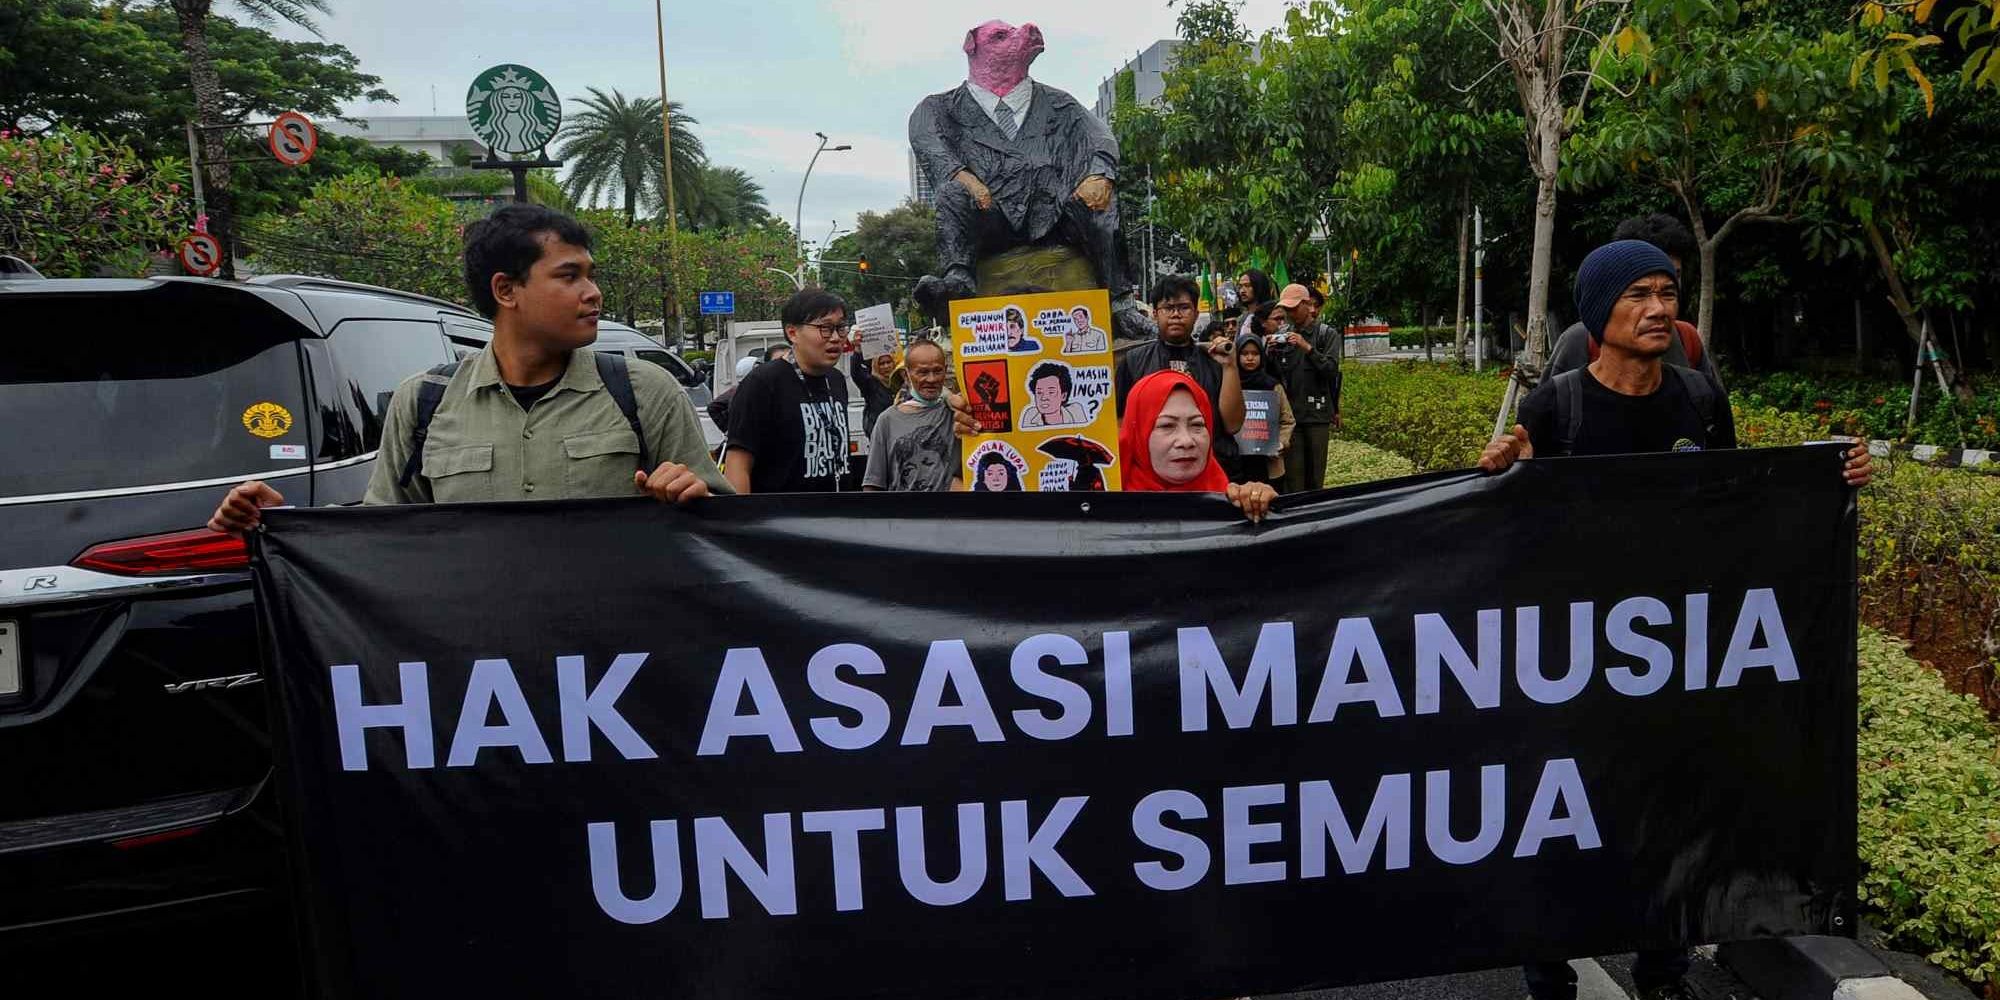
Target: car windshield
(137,405)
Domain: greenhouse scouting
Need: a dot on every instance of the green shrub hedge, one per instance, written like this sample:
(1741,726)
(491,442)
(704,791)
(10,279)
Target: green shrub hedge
(1929,798)
(1413,336)
(1435,415)
(1930,554)
(1877,408)
(1349,462)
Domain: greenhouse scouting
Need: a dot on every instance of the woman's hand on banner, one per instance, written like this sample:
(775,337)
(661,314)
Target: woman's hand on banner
(1506,449)
(1254,499)
(671,483)
(1860,465)
(241,508)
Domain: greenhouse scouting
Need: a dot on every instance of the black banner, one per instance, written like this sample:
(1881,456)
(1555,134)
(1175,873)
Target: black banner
(1044,745)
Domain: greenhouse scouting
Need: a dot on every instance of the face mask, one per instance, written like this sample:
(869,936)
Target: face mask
(910,396)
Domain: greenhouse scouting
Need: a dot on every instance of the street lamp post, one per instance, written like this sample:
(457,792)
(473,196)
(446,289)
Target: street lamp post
(798,210)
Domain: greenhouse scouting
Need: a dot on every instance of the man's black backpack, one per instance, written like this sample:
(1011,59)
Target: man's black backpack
(1569,403)
(430,392)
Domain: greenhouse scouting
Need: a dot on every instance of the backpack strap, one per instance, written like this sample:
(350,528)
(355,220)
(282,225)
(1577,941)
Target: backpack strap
(1569,410)
(1701,393)
(1690,341)
(430,392)
(618,382)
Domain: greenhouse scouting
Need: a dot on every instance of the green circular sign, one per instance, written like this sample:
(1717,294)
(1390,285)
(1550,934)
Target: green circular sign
(512,109)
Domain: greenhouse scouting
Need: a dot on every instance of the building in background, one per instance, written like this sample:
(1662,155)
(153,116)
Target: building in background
(446,139)
(920,182)
(1148,83)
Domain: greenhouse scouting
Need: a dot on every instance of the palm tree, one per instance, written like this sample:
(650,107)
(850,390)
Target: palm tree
(614,145)
(724,198)
(193,18)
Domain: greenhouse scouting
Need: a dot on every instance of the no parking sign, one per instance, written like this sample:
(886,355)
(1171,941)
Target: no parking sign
(293,139)
(201,255)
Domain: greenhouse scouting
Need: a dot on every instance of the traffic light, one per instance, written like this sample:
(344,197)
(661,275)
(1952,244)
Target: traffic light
(863,264)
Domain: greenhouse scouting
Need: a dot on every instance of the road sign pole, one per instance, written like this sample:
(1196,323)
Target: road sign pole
(194,167)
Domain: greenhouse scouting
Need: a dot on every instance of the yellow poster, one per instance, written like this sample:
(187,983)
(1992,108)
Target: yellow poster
(1036,371)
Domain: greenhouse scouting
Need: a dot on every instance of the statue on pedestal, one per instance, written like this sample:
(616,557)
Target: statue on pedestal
(1024,178)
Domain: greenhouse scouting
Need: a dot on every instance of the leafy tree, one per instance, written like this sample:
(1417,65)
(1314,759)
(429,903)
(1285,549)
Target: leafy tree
(75,205)
(120,70)
(210,110)
(633,267)
(1210,144)
(368,228)
(1429,132)
(1721,112)
(723,198)
(485,187)
(900,246)
(1549,48)
(615,144)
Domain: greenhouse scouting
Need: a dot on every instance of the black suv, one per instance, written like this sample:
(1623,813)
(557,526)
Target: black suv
(134,757)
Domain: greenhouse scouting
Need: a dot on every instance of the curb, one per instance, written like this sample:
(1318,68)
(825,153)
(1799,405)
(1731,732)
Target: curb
(1812,967)
(1930,454)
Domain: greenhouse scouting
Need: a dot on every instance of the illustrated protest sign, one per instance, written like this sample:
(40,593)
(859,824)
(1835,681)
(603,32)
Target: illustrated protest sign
(1037,374)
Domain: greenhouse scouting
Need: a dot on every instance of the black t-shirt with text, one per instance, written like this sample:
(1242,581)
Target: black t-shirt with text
(1613,423)
(793,425)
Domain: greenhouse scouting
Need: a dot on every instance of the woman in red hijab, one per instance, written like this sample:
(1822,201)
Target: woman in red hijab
(1165,441)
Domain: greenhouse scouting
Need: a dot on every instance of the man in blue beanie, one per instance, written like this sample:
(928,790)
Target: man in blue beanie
(1576,347)
(1628,400)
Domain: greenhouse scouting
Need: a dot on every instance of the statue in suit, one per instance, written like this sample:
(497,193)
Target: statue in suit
(1014,162)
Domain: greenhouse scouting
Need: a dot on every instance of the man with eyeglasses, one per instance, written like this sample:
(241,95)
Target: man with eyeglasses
(788,422)
(1213,367)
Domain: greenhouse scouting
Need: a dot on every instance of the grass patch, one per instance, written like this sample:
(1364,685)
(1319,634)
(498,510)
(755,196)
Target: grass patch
(1350,462)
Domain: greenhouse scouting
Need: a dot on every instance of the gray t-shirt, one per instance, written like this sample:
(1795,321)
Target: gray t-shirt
(912,452)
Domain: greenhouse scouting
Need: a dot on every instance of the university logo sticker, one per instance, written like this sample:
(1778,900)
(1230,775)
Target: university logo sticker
(512,109)
(267,420)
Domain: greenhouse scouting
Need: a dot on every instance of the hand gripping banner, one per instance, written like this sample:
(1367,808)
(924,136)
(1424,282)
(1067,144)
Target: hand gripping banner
(938,745)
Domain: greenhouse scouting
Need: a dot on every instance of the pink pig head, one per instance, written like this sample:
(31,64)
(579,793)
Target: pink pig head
(997,54)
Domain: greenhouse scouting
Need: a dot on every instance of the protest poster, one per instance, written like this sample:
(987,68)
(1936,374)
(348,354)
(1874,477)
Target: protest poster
(1036,370)
(876,326)
(1065,752)
(1259,435)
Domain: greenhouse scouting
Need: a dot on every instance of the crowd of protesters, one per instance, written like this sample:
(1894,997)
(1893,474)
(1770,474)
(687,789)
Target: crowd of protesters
(536,415)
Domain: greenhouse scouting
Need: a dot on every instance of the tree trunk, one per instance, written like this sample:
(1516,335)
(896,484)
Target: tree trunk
(1464,247)
(1548,139)
(1705,314)
(1912,319)
(193,17)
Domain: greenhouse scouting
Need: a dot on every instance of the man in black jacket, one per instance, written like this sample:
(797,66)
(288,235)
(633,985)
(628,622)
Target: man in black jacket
(1307,361)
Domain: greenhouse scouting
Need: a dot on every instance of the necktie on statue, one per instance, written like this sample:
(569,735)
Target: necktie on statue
(1004,117)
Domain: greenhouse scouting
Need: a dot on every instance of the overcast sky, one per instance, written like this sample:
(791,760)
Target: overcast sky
(760,76)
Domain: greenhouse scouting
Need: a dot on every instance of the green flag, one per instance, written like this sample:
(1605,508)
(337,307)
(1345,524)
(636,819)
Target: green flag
(1279,275)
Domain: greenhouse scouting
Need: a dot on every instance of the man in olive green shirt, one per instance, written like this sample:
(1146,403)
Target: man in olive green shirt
(529,417)
(571,442)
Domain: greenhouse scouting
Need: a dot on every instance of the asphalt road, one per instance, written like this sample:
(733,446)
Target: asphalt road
(249,953)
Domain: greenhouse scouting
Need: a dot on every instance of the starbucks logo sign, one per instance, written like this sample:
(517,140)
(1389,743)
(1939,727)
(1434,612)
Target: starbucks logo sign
(512,109)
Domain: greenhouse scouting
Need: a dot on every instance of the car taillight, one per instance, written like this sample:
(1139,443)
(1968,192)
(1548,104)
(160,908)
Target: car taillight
(178,552)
